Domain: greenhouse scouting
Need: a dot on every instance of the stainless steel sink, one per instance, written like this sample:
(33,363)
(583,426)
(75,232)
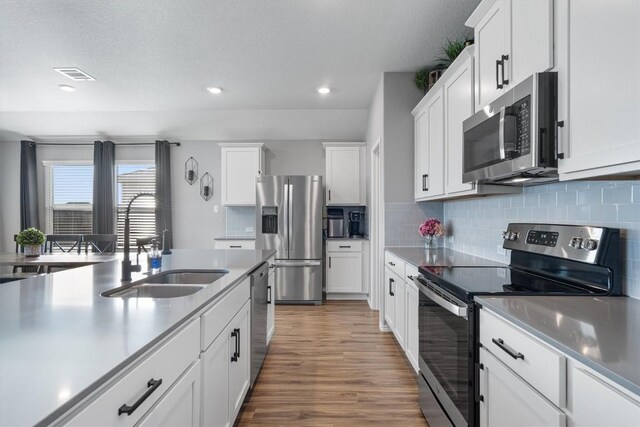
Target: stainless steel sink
(195,277)
(157,291)
(168,284)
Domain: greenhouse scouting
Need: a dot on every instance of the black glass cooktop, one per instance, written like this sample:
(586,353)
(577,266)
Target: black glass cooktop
(465,282)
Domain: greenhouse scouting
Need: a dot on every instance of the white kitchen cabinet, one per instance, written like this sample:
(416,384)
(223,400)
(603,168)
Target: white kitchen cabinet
(513,40)
(601,135)
(507,400)
(271,305)
(389,298)
(226,371)
(412,302)
(400,321)
(429,144)
(594,403)
(345,178)
(167,362)
(180,406)
(235,244)
(345,270)
(241,164)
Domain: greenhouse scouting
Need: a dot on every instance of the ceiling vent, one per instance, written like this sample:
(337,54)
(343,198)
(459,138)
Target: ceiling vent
(75,74)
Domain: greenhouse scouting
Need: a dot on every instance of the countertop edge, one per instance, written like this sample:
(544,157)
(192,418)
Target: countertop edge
(619,380)
(69,405)
(235,238)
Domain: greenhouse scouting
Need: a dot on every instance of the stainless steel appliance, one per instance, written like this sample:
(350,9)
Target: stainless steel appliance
(259,303)
(289,220)
(546,259)
(355,224)
(514,139)
(335,223)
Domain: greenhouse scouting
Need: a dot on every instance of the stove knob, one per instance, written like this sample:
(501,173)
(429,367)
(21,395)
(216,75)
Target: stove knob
(513,236)
(505,235)
(590,244)
(576,242)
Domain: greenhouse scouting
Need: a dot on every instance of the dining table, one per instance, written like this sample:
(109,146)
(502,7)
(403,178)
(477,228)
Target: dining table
(45,262)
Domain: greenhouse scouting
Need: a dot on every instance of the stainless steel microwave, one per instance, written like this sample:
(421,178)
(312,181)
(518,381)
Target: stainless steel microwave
(514,139)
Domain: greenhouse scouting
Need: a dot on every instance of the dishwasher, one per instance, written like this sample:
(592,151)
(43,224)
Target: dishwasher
(259,303)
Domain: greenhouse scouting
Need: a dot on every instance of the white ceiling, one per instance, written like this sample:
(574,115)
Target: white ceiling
(160,55)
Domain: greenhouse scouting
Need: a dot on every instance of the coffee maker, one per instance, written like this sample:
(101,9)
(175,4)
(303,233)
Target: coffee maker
(355,224)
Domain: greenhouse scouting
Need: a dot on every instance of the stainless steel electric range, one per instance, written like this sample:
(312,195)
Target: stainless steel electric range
(545,260)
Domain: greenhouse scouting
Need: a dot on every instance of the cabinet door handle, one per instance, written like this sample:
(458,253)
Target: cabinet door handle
(268,294)
(498,63)
(329,194)
(500,343)
(329,262)
(392,264)
(504,59)
(425,186)
(559,154)
(390,287)
(236,348)
(152,385)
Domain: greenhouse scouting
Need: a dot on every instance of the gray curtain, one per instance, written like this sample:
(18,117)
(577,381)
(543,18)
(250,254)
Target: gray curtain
(28,186)
(104,161)
(163,192)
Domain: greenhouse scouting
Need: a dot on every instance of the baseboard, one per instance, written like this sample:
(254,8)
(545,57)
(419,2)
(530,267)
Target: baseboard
(384,327)
(347,296)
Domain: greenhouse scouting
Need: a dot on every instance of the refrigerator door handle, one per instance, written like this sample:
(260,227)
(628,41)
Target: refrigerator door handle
(290,215)
(285,212)
(297,263)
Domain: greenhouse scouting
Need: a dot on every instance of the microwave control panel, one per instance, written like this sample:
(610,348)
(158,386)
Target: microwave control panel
(522,112)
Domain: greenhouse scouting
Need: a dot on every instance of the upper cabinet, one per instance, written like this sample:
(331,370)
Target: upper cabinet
(438,136)
(241,164)
(514,39)
(598,107)
(345,173)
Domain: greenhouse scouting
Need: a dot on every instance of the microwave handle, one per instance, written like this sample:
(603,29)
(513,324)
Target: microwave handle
(559,154)
(503,155)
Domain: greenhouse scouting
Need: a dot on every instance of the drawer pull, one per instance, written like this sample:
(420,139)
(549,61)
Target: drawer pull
(345,246)
(152,386)
(500,343)
(268,294)
(235,246)
(392,264)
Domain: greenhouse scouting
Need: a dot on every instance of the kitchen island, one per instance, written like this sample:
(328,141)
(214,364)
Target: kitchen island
(61,340)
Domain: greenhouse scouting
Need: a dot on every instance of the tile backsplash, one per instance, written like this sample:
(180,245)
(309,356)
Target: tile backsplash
(402,221)
(475,225)
(239,218)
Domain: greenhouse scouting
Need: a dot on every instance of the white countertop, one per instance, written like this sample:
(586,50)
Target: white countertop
(59,339)
(440,257)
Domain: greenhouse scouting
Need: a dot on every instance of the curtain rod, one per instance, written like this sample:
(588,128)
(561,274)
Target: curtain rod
(91,143)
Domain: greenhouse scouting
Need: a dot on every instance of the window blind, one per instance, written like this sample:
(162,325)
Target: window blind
(131,180)
(72,196)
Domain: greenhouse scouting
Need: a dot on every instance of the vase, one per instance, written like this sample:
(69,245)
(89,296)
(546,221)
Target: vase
(32,250)
(430,242)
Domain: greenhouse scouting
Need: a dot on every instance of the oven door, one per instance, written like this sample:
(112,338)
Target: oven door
(446,355)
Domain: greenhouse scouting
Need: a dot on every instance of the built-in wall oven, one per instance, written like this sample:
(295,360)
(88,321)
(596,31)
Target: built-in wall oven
(446,342)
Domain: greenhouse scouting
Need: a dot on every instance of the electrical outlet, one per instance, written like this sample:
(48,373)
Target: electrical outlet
(216,209)
(248,230)
(501,251)
(451,240)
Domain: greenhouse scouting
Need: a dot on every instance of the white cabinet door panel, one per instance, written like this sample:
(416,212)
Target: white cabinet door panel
(421,154)
(239,370)
(389,300)
(344,272)
(215,368)
(412,343)
(343,175)
(435,138)
(400,312)
(531,38)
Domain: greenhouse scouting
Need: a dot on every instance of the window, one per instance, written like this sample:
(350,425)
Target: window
(132,179)
(70,197)
(69,187)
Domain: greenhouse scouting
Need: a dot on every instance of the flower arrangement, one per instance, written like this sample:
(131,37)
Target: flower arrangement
(30,236)
(431,227)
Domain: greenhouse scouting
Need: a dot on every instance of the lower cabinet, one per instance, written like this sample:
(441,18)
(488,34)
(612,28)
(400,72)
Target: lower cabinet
(271,305)
(181,405)
(400,324)
(412,339)
(507,400)
(235,244)
(226,371)
(345,267)
(389,298)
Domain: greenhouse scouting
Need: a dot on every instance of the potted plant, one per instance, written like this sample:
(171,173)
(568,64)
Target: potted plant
(31,240)
(422,79)
(450,52)
(431,229)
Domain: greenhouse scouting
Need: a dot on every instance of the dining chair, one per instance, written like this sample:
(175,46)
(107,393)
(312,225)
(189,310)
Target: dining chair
(100,243)
(62,242)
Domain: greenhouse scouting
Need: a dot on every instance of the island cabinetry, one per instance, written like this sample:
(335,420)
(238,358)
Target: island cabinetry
(137,389)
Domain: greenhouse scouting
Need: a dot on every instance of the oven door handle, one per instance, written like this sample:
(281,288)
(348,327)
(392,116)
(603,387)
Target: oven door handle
(503,154)
(458,310)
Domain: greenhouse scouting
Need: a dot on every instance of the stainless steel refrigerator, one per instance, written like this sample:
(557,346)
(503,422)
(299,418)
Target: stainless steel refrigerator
(289,220)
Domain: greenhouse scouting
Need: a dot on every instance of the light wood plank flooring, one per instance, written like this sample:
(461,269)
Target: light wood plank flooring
(331,366)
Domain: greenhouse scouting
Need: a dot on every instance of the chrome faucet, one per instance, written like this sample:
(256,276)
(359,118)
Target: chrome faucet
(127,268)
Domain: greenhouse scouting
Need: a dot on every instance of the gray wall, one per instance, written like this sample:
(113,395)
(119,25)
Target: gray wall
(194,220)
(477,224)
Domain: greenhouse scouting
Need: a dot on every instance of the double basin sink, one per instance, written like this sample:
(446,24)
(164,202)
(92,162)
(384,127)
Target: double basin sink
(167,284)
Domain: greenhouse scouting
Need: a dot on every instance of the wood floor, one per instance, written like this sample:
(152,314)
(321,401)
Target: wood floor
(330,365)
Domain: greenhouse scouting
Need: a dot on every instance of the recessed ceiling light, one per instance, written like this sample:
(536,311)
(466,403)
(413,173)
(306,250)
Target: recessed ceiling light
(215,90)
(67,88)
(324,90)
